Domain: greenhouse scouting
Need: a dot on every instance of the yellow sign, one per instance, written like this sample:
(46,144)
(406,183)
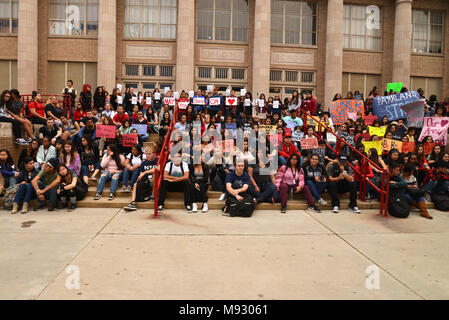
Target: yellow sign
(377,131)
(373,144)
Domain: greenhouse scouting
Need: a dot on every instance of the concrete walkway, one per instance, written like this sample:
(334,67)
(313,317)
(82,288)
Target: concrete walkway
(298,255)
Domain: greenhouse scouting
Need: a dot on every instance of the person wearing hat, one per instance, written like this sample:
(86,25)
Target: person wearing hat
(286,149)
(45,184)
(341,180)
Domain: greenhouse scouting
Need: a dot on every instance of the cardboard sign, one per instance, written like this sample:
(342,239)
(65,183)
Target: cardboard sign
(291,124)
(134,100)
(157,96)
(141,128)
(209,88)
(198,100)
(287,131)
(435,127)
(170,101)
(377,131)
(231,101)
(191,94)
(395,86)
(415,113)
(119,99)
(331,138)
(309,143)
(166,89)
(275,139)
(408,147)
(388,144)
(428,147)
(276,104)
(176,95)
(339,110)
(214,101)
(261,115)
(105,131)
(148,101)
(119,86)
(129,140)
(247,102)
(390,106)
(242,92)
(268,129)
(373,144)
(231,126)
(297,135)
(140,99)
(261,103)
(183,105)
(352,115)
(228,92)
(370,119)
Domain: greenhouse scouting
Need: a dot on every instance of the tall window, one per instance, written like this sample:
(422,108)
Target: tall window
(150,19)
(362,27)
(74,17)
(222,20)
(361,82)
(293,22)
(427,31)
(431,86)
(8,16)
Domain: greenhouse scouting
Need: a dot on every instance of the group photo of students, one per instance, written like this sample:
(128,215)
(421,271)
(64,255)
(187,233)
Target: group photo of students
(71,150)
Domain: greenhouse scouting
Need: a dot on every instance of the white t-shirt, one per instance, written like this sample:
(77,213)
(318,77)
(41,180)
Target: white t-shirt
(136,160)
(176,170)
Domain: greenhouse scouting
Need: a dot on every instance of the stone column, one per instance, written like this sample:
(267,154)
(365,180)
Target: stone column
(185,45)
(106,65)
(402,38)
(262,47)
(27,47)
(334,51)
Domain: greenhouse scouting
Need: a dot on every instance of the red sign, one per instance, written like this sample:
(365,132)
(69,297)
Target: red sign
(169,101)
(370,119)
(231,101)
(309,143)
(408,147)
(129,140)
(183,105)
(105,131)
(428,147)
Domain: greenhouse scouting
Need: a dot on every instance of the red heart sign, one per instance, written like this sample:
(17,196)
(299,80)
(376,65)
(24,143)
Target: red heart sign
(444,122)
(231,101)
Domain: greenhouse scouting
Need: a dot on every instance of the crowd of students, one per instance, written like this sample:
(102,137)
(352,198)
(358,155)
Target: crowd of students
(57,164)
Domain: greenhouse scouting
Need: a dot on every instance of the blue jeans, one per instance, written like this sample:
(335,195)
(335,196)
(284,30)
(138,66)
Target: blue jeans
(50,195)
(410,200)
(84,171)
(316,188)
(430,186)
(134,175)
(25,193)
(7,182)
(105,177)
(266,192)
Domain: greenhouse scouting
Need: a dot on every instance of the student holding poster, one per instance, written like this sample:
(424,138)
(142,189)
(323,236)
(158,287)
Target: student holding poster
(216,102)
(198,101)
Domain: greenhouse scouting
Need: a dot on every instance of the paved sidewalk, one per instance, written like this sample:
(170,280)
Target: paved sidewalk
(298,255)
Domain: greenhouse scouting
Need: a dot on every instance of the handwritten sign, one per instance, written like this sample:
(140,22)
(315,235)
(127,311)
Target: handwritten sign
(408,147)
(436,128)
(268,129)
(309,143)
(157,96)
(297,135)
(105,131)
(119,99)
(166,89)
(370,119)
(198,100)
(415,113)
(395,86)
(170,101)
(228,146)
(242,92)
(247,102)
(141,128)
(339,110)
(352,116)
(214,101)
(331,138)
(183,105)
(191,94)
(129,140)
(119,86)
(373,144)
(231,101)
(390,106)
(388,144)
(148,101)
(134,100)
(176,95)
(228,92)
(291,124)
(209,88)
(377,131)
(276,104)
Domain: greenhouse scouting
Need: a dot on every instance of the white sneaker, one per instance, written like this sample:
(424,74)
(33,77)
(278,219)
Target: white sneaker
(205,207)
(354,209)
(194,207)
(222,197)
(322,202)
(335,209)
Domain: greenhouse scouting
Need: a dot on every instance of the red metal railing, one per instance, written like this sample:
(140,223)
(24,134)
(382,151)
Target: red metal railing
(163,156)
(64,99)
(363,165)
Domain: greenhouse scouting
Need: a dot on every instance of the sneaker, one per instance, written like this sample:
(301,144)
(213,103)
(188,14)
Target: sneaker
(222,197)
(205,207)
(160,208)
(189,208)
(97,196)
(368,198)
(322,202)
(427,197)
(226,214)
(283,209)
(72,207)
(335,209)
(111,196)
(28,140)
(354,209)
(130,207)
(314,208)
(151,198)
(21,142)
(123,189)
(194,207)
(129,189)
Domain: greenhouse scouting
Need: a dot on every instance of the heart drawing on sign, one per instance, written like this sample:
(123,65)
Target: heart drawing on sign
(231,101)
(444,123)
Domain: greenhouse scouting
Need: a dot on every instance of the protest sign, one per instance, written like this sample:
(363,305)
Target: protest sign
(209,88)
(231,101)
(157,96)
(275,104)
(228,146)
(390,106)
(377,131)
(331,138)
(408,147)
(119,99)
(170,101)
(340,109)
(191,94)
(288,132)
(436,127)
(148,100)
(370,119)
(373,144)
(297,135)
(140,99)
(141,128)
(129,140)
(415,113)
(365,136)
(176,95)
(261,115)
(166,89)
(247,102)
(395,86)
(388,144)
(228,92)
(261,103)
(183,105)
(198,100)
(275,139)
(291,124)
(134,100)
(242,92)
(268,129)
(105,131)
(352,115)
(428,147)
(214,101)
(119,86)
(309,143)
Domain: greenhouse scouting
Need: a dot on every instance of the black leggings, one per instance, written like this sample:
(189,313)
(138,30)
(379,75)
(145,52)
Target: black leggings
(16,129)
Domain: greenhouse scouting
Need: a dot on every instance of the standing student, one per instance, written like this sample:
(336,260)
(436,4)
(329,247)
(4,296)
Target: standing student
(45,184)
(70,95)
(25,193)
(86,98)
(113,163)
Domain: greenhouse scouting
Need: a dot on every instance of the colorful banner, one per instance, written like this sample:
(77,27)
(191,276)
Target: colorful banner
(373,144)
(231,101)
(377,131)
(408,147)
(129,140)
(388,144)
(390,106)
(340,109)
(435,127)
(104,131)
(370,119)
(309,143)
(415,113)
(141,128)
(395,86)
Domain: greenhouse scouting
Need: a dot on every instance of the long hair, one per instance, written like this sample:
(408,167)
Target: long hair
(289,161)
(64,153)
(374,157)
(30,152)
(68,177)
(9,160)
(116,155)
(2,98)
(85,87)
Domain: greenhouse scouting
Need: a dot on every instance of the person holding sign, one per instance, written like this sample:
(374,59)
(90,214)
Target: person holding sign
(216,102)
(198,101)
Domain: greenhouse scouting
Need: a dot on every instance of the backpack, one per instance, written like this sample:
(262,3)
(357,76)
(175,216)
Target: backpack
(440,201)
(144,190)
(397,204)
(243,208)
(10,194)
(171,167)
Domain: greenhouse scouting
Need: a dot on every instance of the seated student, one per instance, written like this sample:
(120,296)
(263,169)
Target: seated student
(176,175)
(316,177)
(146,171)
(36,110)
(50,130)
(290,177)
(89,156)
(113,163)
(198,185)
(70,158)
(9,172)
(120,116)
(142,120)
(412,187)
(262,182)
(25,192)
(237,183)
(70,187)
(132,164)
(341,180)
(286,149)
(293,118)
(45,185)
(437,179)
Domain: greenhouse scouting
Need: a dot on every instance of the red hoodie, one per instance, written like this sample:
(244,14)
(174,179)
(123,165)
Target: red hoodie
(287,151)
(310,105)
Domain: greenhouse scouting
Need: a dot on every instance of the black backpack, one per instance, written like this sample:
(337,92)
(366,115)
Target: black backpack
(144,190)
(440,201)
(397,204)
(243,208)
